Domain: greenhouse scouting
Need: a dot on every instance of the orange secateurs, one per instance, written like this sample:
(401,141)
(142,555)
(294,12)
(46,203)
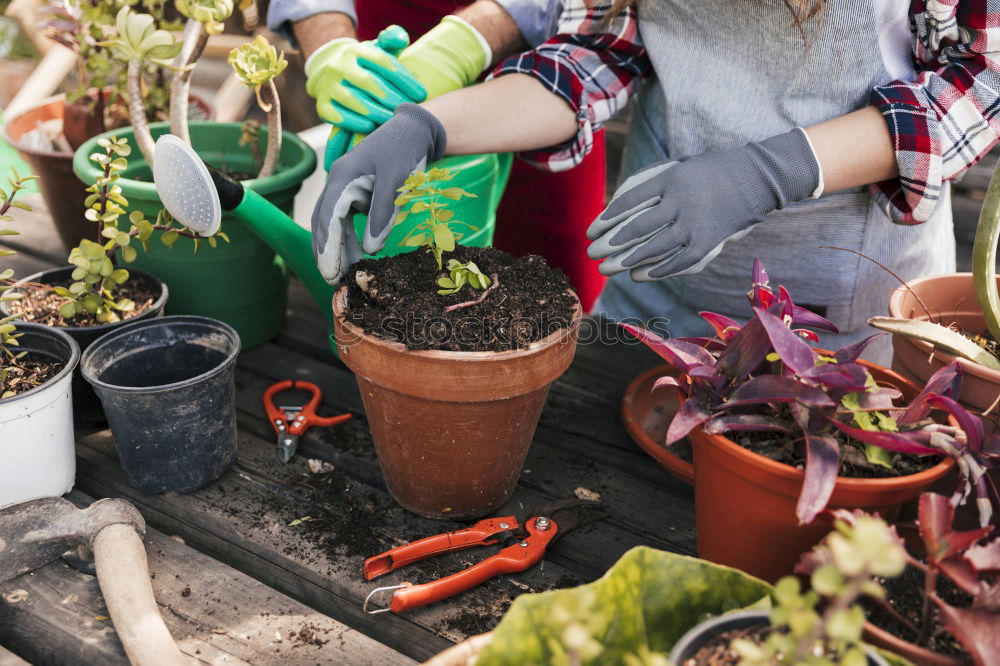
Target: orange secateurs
(524,543)
(290,422)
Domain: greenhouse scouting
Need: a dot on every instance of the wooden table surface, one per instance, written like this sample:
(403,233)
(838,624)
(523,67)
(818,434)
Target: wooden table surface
(239,583)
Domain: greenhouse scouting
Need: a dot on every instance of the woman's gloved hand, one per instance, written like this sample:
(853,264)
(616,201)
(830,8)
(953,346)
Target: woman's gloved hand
(674,217)
(448,57)
(365,180)
(357,85)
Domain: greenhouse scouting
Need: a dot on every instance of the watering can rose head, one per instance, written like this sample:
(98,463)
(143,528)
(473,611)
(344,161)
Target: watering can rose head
(764,376)
(211,13)
(256,63)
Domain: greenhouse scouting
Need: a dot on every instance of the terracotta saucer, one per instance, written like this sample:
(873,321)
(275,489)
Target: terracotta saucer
(647,414)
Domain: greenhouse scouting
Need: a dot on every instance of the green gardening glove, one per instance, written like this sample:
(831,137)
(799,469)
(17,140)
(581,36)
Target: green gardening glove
(357,85)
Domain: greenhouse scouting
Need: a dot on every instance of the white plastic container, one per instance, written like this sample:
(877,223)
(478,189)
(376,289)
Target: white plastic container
(37,454)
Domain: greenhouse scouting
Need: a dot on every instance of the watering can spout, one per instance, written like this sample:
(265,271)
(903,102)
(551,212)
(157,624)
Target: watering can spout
(196,195)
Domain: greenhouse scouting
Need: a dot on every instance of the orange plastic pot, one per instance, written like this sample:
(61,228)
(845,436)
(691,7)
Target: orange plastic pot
(451,429)
(745,503)
(952,300)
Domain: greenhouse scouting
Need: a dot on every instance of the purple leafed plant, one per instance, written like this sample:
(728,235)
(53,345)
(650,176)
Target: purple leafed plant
(764,376)
(965,558)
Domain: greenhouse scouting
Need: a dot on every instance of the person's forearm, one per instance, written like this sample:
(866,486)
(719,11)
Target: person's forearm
(509,113)
(854,150)
(496,26)
(316,30)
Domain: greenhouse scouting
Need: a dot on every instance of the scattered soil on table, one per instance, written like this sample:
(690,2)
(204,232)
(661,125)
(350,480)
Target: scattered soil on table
(716,652)
(28,372)
(905,594)
(399,301)
(308,634)
(39,304)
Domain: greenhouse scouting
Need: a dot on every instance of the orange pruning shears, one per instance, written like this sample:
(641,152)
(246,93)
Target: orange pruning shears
(290,422)
(523,540)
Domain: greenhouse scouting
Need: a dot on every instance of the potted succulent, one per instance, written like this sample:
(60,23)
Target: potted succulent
(249,283)
(936,320)
(454,356)
(780,431)
(36,412)
(92,296)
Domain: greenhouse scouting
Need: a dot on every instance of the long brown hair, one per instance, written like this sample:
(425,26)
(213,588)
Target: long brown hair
(801,10)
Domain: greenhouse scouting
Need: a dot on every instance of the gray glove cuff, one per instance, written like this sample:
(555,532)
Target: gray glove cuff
(415,115)
(786,165)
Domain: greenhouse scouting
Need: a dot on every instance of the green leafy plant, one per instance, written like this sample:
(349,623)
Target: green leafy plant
(424,193)
(256,64)
(95,277)
(8,331)
(459,275)
(824,624)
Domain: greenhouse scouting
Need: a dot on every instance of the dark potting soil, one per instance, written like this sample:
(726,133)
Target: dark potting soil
(717,651)
(905,595)
(28,372)
(163,365)
(852,466)
(399,302)
(40,305)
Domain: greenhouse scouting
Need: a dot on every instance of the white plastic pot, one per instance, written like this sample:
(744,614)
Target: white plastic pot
(37,455)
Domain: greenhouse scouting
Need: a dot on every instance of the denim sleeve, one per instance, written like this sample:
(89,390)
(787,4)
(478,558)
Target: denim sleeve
(282,13)
(537,20)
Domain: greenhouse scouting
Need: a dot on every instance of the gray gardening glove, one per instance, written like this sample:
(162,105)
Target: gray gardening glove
(674,217)
(365,181)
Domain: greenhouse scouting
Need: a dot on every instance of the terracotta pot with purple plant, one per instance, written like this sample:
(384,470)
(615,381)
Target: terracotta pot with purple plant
(780,431)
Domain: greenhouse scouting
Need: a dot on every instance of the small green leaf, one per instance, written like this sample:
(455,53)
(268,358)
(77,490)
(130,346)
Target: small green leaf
(169,238)
(119,276)
(444,238)
(67,310)
(129,254)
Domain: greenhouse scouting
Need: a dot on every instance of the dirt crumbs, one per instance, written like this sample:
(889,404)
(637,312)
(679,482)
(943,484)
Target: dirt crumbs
(40,305)
(396,299)
(309,635)
(26,373)
(716,652)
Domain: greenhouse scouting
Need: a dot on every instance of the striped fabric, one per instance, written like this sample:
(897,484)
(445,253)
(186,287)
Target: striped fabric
(940,123)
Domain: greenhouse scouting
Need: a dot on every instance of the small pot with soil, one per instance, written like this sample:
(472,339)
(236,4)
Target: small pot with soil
(39,304)
(167,386)
(454,380)
(36,421)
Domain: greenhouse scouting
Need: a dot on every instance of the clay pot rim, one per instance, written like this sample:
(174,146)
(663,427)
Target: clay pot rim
(895,300)
(562,335)
(844,483)
(17,144)
(674,464)
(878,636)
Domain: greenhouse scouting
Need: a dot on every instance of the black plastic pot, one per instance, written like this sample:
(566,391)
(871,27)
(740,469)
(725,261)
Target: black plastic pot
(698,636)
(86,407)
(167,386)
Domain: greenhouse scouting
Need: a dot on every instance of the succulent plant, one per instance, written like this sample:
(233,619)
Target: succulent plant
(257,63)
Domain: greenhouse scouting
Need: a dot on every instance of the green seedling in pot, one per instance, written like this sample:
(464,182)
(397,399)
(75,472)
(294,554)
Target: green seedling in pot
(96,279)
(8,331)
(256,64)
(459,275)
(824,624)
(424,193)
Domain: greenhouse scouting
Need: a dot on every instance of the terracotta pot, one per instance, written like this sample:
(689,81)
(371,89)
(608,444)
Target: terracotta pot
(917,655)
(745,503)
(63,192)
(647,415)
(952,300)
(451,429)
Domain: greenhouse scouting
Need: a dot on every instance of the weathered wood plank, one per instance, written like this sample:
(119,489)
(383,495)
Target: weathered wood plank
(8,658)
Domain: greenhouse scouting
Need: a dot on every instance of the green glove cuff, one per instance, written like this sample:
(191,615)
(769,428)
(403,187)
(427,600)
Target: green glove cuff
(448,57)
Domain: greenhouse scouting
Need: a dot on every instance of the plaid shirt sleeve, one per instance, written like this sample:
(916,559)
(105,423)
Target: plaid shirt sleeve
(947,119)
(590,65)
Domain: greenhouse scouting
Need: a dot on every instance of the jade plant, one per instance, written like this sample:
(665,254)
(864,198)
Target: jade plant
(823,625)
(8,330)
(984,276)
(256,64)
(764,376)
(96,279)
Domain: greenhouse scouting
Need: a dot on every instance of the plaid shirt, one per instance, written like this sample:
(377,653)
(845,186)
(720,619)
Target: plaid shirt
(940,123)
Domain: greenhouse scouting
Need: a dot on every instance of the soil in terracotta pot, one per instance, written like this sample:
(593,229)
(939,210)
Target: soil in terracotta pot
(717,651)
(529,302)
(28,372)
(41,305)
(905,594)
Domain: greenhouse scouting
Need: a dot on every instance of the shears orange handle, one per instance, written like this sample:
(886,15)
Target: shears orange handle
(290,422)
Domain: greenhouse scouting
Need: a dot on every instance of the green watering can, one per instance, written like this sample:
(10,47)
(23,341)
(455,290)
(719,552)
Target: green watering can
(196,195)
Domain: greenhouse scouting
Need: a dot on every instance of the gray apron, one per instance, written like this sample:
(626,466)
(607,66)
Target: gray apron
(732,71)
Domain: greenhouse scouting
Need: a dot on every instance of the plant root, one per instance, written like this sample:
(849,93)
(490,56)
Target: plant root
(476,301)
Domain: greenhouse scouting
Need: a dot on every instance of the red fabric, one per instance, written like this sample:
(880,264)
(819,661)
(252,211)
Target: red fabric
(541,212)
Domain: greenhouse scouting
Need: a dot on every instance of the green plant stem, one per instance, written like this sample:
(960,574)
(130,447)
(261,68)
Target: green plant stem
(195,38)
(137,111)
(984,257)
(273,131)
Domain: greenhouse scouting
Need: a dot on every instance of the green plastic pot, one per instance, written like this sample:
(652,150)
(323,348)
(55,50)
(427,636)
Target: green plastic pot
(243,283)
